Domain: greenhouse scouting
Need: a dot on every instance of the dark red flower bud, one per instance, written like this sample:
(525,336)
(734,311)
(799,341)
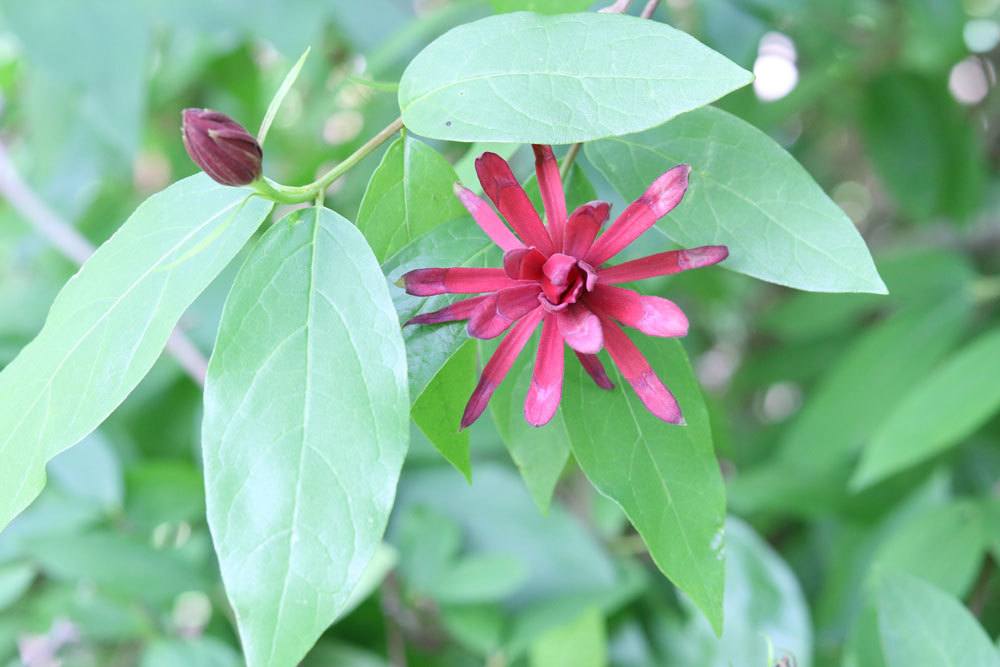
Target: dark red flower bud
(221,147)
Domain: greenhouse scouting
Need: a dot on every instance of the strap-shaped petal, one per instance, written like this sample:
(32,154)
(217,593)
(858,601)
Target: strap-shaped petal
(498,311)
(458,280)
(460,310)
(652,315)
(663,264)
(658,200)
(638,373)
(551,187)
(582,228)
(592,364)
(487,218)
(510,199)
(524,264)
(545,391)
(499,365)
(580,328)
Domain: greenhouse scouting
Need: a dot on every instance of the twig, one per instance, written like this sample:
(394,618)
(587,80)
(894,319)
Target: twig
(981,592)
(618,7)
(391,610)
(75,247)
(647,11)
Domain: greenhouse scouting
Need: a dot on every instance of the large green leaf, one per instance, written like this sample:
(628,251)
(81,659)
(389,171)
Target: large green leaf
(110,323)
(942,544)
(861,388)
(579,643)
(529,78)
(765,610)
(438,411)
(409,194)
(665,477)
(306,426)
(748,193)
(921,626)
(938,413)
(457,243)
(540,454)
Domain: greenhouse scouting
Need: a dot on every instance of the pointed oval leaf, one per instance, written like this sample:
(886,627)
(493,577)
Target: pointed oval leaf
(748,193)
(306,426)
(409,194)
(530,78)
(438,411)
(938,413)
(921,626)
(665,477)
(110,322)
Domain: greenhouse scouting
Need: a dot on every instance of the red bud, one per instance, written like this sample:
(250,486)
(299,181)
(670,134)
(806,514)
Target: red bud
(221,147)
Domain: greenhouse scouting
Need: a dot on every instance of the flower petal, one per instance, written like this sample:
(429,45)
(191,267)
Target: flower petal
(583,225)
(663,264)
(510,199)
(651,315)
(460,310)
(580,328)
(551,187)
(498,311)
(487,218)
(542,401)
(458,280)
(499,365)
(638,373)
(592,364)
(662,196)
(524,264)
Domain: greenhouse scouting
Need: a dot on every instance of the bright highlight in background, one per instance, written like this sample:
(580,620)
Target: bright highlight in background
(775,69)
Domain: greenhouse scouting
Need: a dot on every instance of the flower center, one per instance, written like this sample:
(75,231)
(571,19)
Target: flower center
(564,279)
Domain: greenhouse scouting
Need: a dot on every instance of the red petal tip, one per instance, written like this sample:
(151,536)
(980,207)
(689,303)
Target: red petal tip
(424,282)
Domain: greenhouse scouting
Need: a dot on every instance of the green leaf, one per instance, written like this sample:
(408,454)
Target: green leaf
(541,6)
(409,194)
(478,578)
(438,411)
(938,413)
(110,322)
(921,626)
(857,393)
(528,78)
(748,193)
(306,426)
(765,611)
(540,454)
(579,643)
(117,563)
(941,544)
(665,477)
(279,97)
(15,580)
(200,652)
(456,243)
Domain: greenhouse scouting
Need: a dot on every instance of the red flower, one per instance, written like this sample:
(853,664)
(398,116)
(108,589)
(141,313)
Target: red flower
(555,276)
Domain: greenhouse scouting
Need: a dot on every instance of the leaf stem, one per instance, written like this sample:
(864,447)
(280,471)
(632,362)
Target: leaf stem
(647,11)
(568,161)
(287,194)
(77,248)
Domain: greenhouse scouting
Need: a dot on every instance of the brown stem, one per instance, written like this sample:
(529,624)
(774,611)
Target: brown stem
(75,247)
(647,11)
(980,594)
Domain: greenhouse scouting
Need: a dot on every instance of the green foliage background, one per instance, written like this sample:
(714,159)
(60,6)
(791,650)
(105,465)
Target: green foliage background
(858,435)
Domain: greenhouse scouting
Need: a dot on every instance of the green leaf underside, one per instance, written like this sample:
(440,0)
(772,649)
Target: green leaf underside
(665,477)
(110,323)
(455,243)
(748,193)
(438,411)
(306,427)
(409,194)
(530,78)
(938,413)
(920,626)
